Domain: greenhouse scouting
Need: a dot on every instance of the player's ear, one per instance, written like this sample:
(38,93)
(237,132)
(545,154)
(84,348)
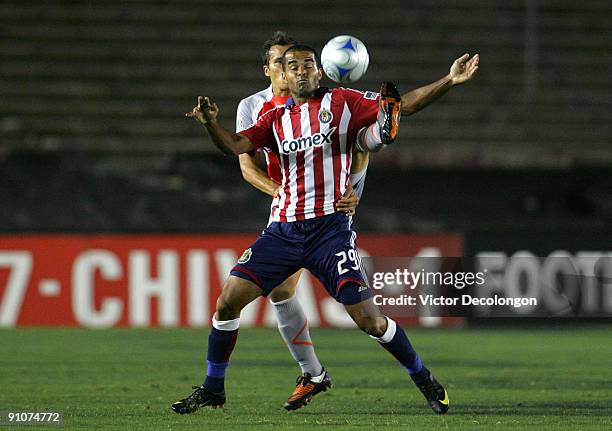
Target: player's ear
(320,73)
(266,70)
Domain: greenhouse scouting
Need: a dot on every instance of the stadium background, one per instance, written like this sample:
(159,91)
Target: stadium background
(99,170)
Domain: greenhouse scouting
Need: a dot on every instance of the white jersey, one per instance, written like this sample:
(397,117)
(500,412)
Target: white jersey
(249,108)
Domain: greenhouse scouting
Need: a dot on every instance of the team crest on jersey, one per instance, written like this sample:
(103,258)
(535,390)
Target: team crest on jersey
(246,256)
(325,116)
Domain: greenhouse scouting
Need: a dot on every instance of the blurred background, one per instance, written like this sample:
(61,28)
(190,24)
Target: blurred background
(93,137)
(117,211)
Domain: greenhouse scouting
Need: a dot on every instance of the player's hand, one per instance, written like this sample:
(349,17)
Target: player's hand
(348,203)
(205,111)
(464,68)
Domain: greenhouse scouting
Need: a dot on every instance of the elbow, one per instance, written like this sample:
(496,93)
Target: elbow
(246,175)
(241,147)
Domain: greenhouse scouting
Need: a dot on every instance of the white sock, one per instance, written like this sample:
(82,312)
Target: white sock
(370,138)
(319,378)
(293,326)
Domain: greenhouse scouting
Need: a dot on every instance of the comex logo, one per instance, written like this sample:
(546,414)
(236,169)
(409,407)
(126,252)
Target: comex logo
(305,142)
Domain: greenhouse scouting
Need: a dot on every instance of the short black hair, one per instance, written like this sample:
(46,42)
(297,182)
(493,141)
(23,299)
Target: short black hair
(298,47)
(278,38)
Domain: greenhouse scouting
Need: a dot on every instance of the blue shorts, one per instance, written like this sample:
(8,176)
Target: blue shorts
(324,245)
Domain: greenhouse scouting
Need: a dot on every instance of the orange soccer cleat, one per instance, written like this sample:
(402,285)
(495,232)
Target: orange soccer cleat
(306,388)
(389,108)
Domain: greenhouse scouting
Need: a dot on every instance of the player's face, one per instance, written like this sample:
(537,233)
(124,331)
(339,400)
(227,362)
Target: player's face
(302,73)
(274,68)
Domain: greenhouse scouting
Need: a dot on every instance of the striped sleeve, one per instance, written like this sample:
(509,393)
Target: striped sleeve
(363,107)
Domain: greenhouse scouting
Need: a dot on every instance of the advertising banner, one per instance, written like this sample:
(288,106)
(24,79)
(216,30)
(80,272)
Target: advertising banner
(104,281)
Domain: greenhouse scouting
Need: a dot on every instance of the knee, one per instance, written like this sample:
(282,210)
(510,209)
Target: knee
(282,293)
(374,326)
(226,310)
(286,289)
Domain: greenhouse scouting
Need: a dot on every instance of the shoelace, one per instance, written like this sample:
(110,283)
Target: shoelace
(303,379)
(194,393)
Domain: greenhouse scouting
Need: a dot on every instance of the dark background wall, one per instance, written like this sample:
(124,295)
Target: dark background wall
(93,138)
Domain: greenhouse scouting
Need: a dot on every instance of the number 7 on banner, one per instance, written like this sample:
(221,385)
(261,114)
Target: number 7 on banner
(20,264)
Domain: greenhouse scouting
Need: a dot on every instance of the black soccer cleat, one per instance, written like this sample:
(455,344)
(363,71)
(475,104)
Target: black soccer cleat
(389,110)
(305,389)
(201,397)
(433,391)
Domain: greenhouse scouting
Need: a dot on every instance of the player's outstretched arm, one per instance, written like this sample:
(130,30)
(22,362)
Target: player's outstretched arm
(206,112)
(462,70)
(255,176)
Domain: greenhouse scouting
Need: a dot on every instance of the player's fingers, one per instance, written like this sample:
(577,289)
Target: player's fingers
(462,58)
(347,200)
(215,107)
(200,100)
(189,114)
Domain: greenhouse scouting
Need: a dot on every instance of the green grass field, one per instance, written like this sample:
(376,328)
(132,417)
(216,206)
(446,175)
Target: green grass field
(497,379)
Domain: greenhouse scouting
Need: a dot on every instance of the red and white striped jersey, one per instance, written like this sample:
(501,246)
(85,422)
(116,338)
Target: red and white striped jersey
(249,110)
(314,143)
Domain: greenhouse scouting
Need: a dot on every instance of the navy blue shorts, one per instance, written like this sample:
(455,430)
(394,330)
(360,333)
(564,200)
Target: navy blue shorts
(324,245)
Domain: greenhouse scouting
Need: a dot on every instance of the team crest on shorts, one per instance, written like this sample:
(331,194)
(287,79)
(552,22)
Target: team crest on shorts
(325,116)
(245,256)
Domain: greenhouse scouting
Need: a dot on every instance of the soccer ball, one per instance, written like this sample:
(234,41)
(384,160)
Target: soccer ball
(345,59)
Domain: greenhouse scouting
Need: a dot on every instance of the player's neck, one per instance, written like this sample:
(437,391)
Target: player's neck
(298,99)
(303,98)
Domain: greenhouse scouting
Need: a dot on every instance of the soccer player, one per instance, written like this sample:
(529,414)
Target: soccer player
(313,136)
(292,321)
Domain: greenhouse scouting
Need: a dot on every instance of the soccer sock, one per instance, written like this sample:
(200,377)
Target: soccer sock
(370,138)
(396,342)
(293,326)
(221,342)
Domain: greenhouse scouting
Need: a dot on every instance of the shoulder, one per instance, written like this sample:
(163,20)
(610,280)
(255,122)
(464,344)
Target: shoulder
(268,117)
(255,99)
(272,112)
(351,93)
(249,108)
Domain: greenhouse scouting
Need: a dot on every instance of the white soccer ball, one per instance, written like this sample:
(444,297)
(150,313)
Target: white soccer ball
(345,59)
